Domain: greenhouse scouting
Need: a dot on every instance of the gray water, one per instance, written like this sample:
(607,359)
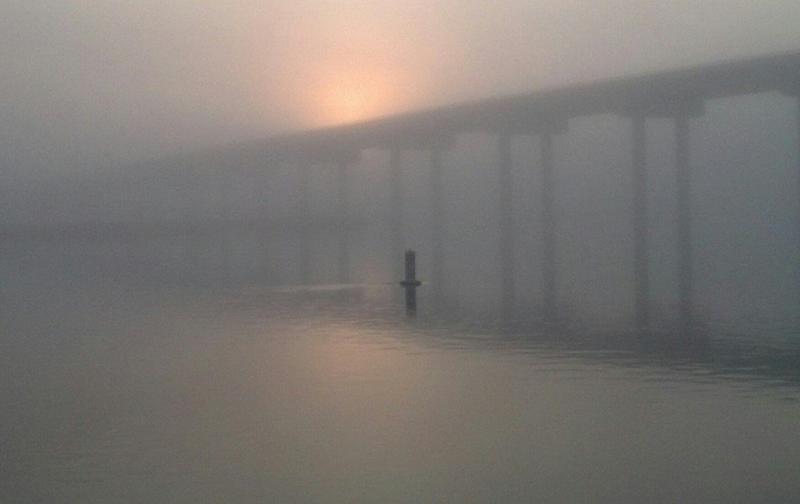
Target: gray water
(121,389)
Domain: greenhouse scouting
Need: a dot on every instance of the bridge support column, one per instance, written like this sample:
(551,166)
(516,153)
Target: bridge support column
(270,273)
(225,214)
(794,92)
(396,211)
(684,222)
(437,224)
(506,214)
(640,252)
(190,218)
(549,271)
(343,180)
(797,133)
(304,224)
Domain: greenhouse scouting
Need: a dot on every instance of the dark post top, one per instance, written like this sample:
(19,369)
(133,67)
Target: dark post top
(410,280)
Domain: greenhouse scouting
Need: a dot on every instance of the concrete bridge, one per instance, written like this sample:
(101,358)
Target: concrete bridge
(679,95)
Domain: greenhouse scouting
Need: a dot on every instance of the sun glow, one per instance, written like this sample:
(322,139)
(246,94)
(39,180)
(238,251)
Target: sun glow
(345,66)
(352,96)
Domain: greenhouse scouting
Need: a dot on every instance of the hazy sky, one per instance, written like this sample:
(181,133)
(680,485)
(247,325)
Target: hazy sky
(113,79)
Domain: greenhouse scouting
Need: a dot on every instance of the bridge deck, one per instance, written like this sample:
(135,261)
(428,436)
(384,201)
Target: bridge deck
(665,93)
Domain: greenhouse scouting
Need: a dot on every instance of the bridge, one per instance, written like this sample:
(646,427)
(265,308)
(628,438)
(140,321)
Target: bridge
(679,95)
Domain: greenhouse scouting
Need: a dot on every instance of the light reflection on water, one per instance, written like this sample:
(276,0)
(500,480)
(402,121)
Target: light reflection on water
(113,394)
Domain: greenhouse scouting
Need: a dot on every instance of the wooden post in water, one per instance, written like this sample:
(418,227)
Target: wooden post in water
(410,283)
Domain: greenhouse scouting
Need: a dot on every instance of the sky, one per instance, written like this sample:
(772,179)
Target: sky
(108,80)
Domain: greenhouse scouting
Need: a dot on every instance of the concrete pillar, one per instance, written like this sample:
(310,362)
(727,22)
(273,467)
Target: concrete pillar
(224,219)
(640,252)
(797,185)
(264,177)
(437,225)
(343,182)
(797,132)
(304,222)
(396,240)
(684,221)
(506,217)
(548,227)
(191,208)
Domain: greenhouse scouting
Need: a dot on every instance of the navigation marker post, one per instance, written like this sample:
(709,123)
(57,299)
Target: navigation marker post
(410,283)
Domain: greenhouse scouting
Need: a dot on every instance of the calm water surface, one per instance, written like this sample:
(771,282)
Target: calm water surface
(121,392)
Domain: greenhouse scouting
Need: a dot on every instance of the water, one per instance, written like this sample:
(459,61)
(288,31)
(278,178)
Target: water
(116,389)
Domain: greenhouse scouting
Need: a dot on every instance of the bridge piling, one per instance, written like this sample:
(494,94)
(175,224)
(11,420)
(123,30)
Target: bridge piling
(684,222)
(304,221)
(263,179)
(437,224)
(797,139)
(224,189)
(548,227)
(396,207)
(640,252)
(343,189)
(506,217)
(191,208)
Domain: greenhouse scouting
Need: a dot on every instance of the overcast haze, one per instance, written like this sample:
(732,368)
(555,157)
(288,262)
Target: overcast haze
(603,300)
(87,80)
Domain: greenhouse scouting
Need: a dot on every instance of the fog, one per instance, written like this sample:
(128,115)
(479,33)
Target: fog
(92,82)
(208,211)
(121,117)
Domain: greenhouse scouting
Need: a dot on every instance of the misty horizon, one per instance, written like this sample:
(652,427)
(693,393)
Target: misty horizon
(376,251)
(123,82)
